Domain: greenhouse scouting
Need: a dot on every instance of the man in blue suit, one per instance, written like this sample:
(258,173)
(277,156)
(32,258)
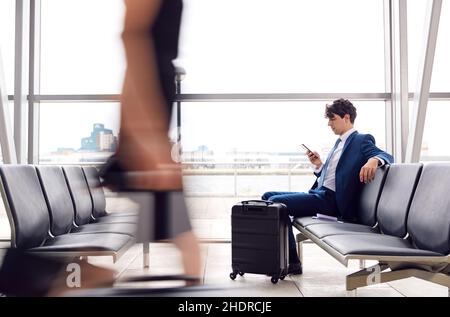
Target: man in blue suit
(351,163)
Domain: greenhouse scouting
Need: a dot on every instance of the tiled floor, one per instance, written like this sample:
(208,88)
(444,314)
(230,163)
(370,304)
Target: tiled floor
(323,275)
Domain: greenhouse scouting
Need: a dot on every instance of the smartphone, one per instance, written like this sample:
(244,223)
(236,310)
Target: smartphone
(306,148)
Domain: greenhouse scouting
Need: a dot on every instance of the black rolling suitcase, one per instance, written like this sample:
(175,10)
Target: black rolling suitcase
(259,239)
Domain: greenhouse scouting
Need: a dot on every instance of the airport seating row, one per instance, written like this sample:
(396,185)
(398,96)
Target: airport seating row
(403,224)
(61,211)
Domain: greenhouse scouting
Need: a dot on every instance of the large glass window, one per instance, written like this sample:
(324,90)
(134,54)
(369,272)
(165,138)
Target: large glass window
(81,49)
(245,149)
(77,132)
(288,46)
(435,145)
(11,117)
(7,27)
(440,80)
(226,46)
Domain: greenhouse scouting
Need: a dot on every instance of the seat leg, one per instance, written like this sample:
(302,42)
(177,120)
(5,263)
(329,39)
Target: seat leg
(300,238)
(362,264)
(146,254)
(300,250)
(351,293)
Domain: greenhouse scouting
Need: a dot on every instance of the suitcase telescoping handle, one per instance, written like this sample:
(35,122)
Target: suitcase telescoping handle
(255,205)
(247,202)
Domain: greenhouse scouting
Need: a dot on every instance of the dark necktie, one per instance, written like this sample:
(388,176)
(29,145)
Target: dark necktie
(327,162)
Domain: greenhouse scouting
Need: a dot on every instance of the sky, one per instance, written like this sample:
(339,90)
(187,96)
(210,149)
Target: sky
(232,46)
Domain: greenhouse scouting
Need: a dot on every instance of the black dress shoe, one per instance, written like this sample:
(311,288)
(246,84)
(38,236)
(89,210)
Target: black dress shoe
(295,268)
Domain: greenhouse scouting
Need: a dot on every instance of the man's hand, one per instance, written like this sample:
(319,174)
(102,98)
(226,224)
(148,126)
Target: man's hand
(367,173)
(314,158)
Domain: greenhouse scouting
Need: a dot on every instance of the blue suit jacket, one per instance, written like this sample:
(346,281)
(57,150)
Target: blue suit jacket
(357,150)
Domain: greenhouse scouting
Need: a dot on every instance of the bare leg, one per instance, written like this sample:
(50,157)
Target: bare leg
(188,245)
(144,145)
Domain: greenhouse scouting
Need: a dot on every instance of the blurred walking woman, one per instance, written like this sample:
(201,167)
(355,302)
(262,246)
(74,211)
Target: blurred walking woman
(150,38)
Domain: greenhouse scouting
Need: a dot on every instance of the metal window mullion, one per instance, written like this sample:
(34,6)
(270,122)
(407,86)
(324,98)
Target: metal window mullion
(388,55)
(75,98)
(439,96)
(402,78)
(21,79)
(268,97)
(34,81)
(6,132)
(229,97)
(396,74)
(422,91)
(386,96)
(399,82)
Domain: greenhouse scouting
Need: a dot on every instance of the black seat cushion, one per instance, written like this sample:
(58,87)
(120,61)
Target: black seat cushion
(117,219)
(97,194)
(80,194)
(29,213)
(369,198)
(396,198)
(121,214)
(125,228)
(328,229)
(61,207)
(374,244)
(58,198)
(85,242)
(307,221)
(429,216)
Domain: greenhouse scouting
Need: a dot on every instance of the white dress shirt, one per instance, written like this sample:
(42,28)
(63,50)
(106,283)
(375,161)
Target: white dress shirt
(330,177)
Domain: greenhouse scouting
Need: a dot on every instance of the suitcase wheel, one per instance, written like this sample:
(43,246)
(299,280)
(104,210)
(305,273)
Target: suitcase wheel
(282,277)
(234,274)
(274,279)
(241,273)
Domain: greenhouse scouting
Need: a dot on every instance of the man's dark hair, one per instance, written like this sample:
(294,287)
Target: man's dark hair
(341,107)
